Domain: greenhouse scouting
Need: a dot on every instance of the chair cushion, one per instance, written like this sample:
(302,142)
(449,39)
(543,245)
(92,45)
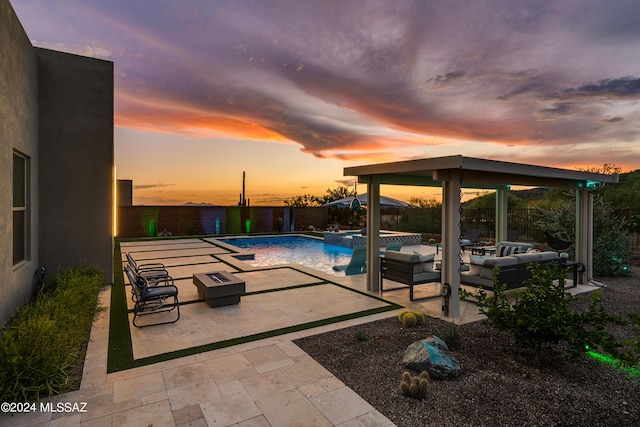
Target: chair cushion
(427,277)
(402,256)
(159,292)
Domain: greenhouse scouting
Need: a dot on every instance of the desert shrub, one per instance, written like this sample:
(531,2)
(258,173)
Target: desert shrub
(541,315)
(630,355)
(451,336)
(611,249)
(362,336)
(41,348)
(415,387)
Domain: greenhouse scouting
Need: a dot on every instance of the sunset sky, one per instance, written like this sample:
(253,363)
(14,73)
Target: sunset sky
(294,91)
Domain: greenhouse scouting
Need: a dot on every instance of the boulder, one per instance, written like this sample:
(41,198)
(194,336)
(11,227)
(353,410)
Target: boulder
(431,355)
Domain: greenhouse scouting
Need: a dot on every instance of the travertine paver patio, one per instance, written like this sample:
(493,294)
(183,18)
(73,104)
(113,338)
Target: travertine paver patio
(268,382)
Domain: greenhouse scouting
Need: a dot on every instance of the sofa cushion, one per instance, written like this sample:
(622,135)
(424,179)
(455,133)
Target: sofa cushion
(536,256)
(475,269)
(470,279)
(479,259)
(491,263)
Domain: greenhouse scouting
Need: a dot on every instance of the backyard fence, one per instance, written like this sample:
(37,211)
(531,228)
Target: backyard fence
(145,221)
(151,221)
(525,221)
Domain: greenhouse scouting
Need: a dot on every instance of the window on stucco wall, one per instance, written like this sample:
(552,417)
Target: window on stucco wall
(20,207)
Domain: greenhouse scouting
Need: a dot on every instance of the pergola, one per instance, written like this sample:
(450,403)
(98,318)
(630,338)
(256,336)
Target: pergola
(453,173)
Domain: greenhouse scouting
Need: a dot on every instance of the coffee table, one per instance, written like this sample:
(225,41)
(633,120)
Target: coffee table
(483,250)
(219,288)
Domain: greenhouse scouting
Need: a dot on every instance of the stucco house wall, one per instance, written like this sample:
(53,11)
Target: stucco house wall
(56,110)
(75,97)
(18,133)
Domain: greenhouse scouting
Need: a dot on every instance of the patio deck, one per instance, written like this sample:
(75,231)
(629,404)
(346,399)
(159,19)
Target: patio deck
(234,365)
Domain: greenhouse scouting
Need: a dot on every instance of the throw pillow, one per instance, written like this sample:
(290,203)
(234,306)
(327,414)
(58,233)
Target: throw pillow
(426,262)
(425,258)
(507,250)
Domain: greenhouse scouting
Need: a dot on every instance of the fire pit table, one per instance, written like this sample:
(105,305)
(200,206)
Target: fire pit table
(219,288)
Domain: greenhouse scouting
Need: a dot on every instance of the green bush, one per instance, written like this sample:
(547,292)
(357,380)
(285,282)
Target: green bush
(42,347)
(611,249)
(541,315)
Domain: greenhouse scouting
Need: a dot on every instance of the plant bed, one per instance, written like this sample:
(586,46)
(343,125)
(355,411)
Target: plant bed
(42,348)
(500,384)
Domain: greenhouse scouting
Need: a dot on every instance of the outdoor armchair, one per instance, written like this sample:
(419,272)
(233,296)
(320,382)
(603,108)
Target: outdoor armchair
(470,237)
(152,299)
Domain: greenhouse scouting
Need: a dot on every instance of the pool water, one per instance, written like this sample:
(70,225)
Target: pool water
(292,250)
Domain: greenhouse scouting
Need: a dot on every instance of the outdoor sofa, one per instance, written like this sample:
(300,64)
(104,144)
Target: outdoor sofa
(513,269)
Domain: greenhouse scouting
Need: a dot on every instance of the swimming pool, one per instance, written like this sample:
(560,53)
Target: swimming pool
(292,250)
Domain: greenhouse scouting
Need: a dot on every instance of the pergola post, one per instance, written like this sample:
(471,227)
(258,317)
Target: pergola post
(584,231)
(373,233)
(451,242)
(501,213)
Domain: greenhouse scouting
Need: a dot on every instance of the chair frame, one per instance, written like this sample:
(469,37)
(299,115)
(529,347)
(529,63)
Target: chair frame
(152,299)
(154,272)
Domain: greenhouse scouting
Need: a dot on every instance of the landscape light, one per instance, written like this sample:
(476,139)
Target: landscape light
(604,358)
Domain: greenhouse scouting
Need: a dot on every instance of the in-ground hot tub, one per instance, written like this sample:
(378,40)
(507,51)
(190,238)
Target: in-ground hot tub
(349,239)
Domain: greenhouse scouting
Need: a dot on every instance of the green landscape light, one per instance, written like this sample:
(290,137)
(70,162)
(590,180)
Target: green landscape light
(593,185)
(604,358)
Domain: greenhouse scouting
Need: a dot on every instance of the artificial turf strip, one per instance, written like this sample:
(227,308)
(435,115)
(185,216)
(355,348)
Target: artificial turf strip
(120,354)
(120,350)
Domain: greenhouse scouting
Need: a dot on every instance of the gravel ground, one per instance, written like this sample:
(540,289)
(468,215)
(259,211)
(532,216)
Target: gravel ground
(499,385)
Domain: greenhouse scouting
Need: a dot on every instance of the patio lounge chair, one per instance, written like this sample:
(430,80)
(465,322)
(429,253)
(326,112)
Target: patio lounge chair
(470,237)
(357,264)
(393,246)
(152,299)
(154,272)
